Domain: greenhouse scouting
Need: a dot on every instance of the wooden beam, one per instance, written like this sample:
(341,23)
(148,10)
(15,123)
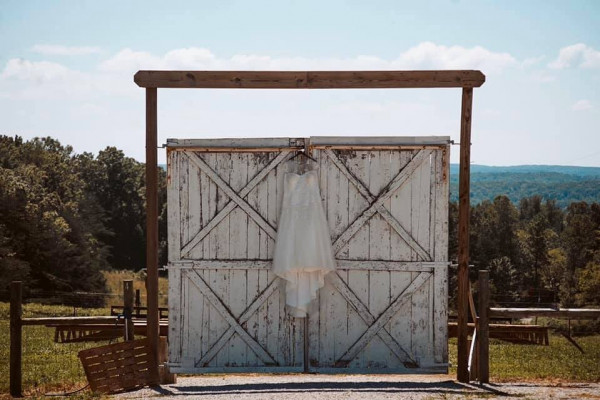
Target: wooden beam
(59,321)
(16,336)
(566,313)
(484,327)
(152,227)
(309,79)
(463,235)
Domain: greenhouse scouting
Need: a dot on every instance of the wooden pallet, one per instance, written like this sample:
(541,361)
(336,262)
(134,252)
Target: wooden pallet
(118,367)
(521,334)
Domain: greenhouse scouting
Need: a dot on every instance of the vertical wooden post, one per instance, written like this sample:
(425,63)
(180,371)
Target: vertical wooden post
(128,309)
(16,312)
(152,224)
(138,302)
(484,327)
(463,234)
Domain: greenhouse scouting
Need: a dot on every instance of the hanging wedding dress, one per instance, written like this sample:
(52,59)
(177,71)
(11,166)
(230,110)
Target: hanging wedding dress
(303,253)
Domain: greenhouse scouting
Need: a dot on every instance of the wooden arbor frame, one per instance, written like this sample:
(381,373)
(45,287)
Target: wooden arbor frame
(465,79)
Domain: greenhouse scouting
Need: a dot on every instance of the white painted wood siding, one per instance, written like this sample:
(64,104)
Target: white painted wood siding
(385,309)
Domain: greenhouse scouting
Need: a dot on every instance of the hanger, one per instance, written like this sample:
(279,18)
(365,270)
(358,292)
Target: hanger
(302,153)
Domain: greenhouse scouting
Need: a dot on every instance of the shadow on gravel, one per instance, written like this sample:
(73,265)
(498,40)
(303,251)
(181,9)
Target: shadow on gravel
(444,387)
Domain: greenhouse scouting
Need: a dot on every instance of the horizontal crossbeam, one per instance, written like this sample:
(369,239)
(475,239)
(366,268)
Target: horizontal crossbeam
(309,79)
(362,265)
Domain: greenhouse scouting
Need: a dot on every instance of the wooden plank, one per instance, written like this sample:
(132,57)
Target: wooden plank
(238,240)
(173,207)
(253,248)
(243,193)
(273,326)
(401,323)
(462,372)
(421,321)
(231,144)
(152,225)
(309,79)
(175,315)
(377,142)
(566,313)
(231,320)
(55,321)
(194,305)
(400,208)
(440,252)
(442,200)
(250,265)
(357,166)
(193,208)
(384,318)
(184,198)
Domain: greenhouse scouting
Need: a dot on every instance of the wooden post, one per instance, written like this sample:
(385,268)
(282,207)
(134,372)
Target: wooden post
(138,302)
(152,225)
(484,327)
(463,235)
(166,377)
(16,312)
(128,309)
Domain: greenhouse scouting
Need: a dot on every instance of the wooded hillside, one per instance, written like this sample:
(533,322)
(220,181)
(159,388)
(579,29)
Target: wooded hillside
(65,217)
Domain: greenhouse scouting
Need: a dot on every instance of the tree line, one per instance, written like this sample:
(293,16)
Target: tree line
(535,251)
(66,217)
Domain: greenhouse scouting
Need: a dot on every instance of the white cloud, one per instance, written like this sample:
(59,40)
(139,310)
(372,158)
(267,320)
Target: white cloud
(542,76)
(58,50)
(425,55)
(577,55)
(36,71)
(582,105)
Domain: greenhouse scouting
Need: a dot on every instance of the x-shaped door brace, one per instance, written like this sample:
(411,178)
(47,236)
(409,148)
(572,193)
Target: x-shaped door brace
(235,324)
(376,326)
(235,199)
(376,203)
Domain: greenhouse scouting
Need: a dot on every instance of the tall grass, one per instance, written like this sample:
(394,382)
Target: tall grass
(114,283)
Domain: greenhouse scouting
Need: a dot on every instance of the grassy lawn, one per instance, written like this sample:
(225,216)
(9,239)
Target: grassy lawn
(559,361)
(47,366)
(54,367)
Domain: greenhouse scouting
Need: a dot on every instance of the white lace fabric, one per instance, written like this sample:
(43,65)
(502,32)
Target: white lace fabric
(303,253)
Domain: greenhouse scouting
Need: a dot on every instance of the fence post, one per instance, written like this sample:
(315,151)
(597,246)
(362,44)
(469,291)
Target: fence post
(138,302)
(128,308)
(484,331)
(16,311)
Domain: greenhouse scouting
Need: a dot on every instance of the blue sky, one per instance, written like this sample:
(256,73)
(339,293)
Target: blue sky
(66,70)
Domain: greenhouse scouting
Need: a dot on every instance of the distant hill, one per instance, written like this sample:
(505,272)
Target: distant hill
(564,184)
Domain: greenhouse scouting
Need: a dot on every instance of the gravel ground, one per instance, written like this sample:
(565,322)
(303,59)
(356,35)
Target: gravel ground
(363,387)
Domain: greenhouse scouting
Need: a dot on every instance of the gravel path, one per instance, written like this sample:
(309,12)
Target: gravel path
(363,387)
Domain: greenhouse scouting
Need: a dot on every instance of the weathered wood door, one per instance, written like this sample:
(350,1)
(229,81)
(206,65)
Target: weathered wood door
(385,308)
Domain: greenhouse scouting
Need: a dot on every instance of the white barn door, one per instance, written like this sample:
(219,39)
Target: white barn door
(384,310)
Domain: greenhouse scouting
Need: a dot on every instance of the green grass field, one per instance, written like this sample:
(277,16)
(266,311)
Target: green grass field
(54,367)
